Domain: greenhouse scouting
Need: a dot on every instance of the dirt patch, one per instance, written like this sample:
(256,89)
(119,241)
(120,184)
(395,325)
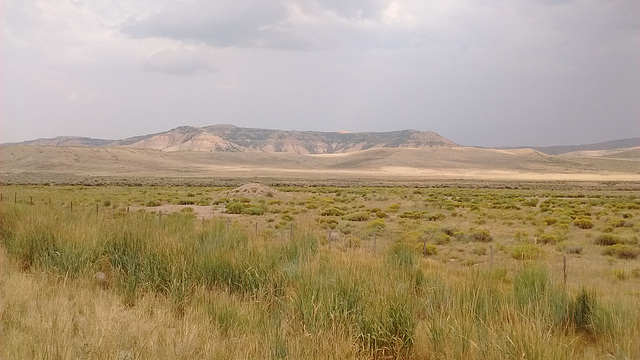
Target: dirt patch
(253,190)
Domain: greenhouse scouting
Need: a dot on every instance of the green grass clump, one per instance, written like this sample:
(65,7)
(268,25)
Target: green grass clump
(402,254)
(526,252)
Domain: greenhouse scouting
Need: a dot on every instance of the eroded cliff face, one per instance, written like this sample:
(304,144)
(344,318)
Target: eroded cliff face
(227,138)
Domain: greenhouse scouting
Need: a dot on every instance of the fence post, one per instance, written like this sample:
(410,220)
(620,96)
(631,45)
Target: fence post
(291,232)
(329,237)
(15,197)
(256,228)
(0,196)
(97,211)
(490,257)
(564,269)
(72,206)
(31,200)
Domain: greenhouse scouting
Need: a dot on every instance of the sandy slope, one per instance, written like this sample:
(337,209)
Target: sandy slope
(459,163)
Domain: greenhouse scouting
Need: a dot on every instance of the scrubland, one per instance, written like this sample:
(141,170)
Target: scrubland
(107,272)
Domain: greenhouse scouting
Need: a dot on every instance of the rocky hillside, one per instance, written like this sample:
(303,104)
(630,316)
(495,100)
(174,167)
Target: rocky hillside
(229,138)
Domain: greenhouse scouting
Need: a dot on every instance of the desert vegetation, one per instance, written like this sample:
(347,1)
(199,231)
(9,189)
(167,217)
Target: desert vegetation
(135,272)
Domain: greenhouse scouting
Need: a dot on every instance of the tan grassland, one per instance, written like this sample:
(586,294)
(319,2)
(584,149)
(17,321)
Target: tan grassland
(430,163)
(438,253)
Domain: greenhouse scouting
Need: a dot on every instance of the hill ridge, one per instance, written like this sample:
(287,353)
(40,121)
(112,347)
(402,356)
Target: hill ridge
(230,138)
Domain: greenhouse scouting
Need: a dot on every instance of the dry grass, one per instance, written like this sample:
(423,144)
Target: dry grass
(180,287)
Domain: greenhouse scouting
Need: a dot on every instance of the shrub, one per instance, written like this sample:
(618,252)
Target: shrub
(254,210)
(153,203)
(616,222)
(481,236)
(550,220)
(414,215)
(332,211)
(377,224)
(186,202)
(442,239)
(234,208)
(521,236)
(608,239)
(583,223)
(327,222)
(381,214)
(573,249)
(359,216)
(547,239)
(394,208)
(621,251)
(429,249)
(526,252)
(479,250)
(460,236)
(435,217)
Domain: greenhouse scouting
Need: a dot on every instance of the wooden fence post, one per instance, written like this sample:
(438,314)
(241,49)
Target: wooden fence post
(491,257)
(564,270)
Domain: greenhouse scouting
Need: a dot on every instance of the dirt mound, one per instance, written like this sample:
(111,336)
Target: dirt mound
(253,189)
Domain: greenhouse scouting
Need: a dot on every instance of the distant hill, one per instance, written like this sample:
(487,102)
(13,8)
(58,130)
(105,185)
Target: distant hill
(229,138)
(608,145)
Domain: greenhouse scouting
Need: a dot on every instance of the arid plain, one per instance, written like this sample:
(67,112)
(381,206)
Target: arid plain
(384,253)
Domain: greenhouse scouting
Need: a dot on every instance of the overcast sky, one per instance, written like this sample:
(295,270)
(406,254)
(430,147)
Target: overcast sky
(479,72)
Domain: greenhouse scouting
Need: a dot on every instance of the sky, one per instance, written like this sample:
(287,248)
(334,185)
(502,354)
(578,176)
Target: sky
(479,72)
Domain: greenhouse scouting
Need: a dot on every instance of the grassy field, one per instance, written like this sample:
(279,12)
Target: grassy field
(137,272)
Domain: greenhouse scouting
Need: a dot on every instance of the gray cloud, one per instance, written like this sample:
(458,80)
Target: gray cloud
(179,62)
(217,23)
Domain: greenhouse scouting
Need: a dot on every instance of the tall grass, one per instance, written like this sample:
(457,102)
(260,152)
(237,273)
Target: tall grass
(185,281)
